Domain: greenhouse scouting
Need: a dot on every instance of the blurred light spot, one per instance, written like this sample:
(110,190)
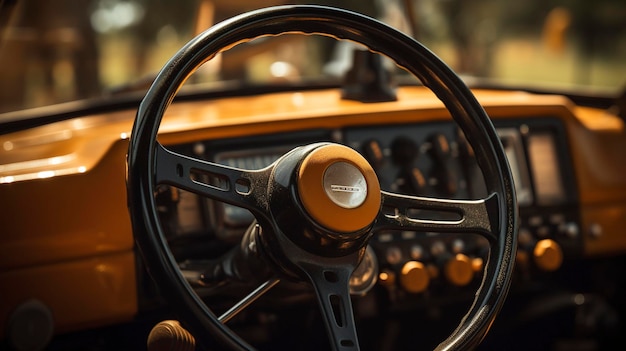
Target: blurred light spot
(579,299)
(45,174)
(297,99)
(281,69)
(8,146)
(115,15)
(56,160)
(82,169)
(7,179)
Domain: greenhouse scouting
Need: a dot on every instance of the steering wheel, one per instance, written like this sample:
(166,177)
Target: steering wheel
(318,205)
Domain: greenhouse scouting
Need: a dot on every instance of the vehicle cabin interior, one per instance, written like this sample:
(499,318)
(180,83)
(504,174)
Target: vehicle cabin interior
(336,175)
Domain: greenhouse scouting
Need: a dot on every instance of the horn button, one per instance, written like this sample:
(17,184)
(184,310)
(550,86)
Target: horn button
(345,185)
(339,189)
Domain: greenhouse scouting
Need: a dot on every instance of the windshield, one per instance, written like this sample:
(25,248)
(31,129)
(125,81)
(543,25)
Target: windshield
(66,50)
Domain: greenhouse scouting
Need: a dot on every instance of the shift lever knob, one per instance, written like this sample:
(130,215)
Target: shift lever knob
(169,335)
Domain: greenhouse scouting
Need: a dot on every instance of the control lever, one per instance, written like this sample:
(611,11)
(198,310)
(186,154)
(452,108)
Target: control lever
(442,156)
(169,335)
(242,263)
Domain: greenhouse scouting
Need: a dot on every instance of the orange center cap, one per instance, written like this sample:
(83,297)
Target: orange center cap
(339,188)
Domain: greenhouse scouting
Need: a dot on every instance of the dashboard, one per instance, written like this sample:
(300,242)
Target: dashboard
(67,239)
(427,159)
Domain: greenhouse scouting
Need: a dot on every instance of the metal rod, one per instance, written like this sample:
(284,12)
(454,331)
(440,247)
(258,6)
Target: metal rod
(246,301)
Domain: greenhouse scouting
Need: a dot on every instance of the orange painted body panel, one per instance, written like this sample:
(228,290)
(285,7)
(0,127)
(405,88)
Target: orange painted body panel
(84,293)
(66,217)
(67,241)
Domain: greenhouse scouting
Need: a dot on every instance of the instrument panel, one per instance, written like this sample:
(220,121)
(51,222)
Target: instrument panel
(424,159)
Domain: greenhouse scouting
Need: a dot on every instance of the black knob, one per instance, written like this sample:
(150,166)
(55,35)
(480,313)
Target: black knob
(373,153)
(417,181)
(440,147)
(404,151)
(465,149)
(443,169)
(447,179)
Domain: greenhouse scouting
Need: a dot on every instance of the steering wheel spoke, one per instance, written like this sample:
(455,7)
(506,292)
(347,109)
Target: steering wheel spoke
(423,214)
(332,288)
(219,182)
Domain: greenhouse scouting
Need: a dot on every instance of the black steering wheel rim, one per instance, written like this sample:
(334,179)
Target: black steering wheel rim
(378,37)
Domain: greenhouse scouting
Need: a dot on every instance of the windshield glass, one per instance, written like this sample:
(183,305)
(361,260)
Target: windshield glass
(59,51)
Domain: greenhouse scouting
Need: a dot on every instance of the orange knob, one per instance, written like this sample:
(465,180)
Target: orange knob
(414,277)
(459,270)
(548,255)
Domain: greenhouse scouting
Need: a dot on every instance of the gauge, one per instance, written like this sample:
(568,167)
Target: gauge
(545,168)
(512,143)
(365,275)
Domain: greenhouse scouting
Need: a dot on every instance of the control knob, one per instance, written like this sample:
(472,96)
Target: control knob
(404,151)
(373,153)
(459,270)
(548,255)
(441,153)
(414,277)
